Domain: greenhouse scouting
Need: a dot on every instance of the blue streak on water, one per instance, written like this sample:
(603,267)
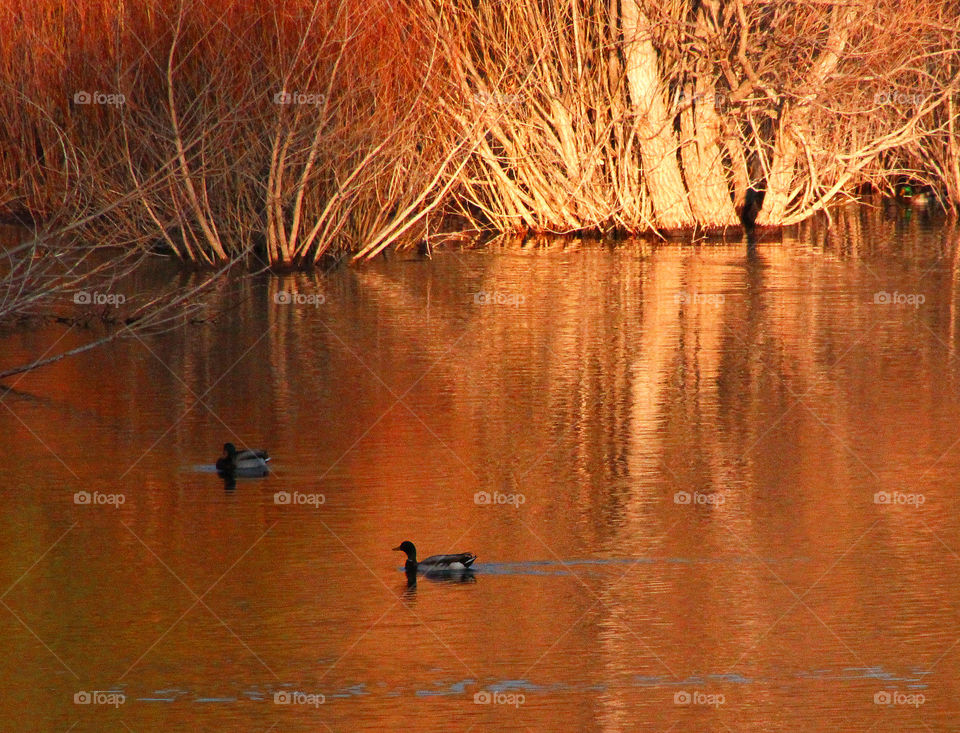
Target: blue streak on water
(912,680)
(864,673)
(646,681)
(732,678)
(505,685)
(456,688)
(360,689)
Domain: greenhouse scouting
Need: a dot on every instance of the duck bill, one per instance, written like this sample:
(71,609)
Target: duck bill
(397,549)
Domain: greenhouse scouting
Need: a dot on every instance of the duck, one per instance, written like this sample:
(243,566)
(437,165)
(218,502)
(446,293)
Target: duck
(436,563)
(245,461)
(918,199)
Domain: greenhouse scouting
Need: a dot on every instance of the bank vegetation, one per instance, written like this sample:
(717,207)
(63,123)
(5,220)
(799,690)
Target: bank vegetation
(282,134)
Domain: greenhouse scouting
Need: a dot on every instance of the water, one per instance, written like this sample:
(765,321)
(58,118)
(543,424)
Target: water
(667,459)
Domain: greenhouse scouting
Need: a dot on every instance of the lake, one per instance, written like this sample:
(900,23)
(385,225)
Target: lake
(710,488)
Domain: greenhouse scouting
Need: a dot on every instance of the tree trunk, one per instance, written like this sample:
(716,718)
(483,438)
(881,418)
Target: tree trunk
(703,162)
(658,144)
(739,169)
(793,119)
(779,180)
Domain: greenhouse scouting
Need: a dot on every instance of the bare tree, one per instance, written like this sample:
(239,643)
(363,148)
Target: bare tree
(285,133)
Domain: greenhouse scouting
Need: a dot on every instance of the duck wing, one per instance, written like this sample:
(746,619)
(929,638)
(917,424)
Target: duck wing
(463,560)
(248,455)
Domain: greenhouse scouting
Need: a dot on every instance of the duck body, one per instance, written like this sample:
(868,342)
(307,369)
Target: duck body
(917,198)
(457,562)
(242,463)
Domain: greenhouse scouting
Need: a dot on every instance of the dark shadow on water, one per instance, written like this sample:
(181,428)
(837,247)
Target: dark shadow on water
(451,576)
(441,576)
(410,590)
(230,477)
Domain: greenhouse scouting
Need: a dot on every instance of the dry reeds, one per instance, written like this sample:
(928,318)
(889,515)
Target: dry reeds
(287,132)
(283,132)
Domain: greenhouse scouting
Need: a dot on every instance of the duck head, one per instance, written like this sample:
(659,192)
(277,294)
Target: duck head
(407,547)
(230,450)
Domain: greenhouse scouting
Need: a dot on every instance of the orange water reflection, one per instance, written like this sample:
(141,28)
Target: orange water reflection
(697,435)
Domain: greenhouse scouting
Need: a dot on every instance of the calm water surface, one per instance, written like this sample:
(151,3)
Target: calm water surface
(710,489)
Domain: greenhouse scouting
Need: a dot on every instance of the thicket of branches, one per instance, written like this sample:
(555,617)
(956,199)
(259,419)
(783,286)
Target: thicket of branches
(287,132)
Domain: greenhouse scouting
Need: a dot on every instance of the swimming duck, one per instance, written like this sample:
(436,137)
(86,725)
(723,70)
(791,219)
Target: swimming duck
(918,199)
(435,563)
(251,462)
